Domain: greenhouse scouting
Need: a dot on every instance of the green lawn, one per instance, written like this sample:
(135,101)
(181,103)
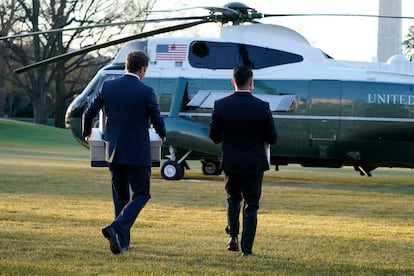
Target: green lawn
(311,221)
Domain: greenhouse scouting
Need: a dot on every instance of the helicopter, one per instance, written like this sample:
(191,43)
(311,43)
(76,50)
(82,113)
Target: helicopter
(329,113)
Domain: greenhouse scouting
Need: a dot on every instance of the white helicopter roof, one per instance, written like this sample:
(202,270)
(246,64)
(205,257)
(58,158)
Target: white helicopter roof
(262,33)
(315,64)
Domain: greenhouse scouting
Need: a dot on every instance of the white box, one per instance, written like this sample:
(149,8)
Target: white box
(97,148)
(156,144)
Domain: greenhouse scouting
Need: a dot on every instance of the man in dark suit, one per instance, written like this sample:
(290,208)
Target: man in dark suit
(129,105)
(244,125)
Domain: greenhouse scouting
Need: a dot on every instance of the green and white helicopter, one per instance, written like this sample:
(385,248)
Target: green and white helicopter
(328,113)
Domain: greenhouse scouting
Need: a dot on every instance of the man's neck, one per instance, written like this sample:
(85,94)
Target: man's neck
(132,74)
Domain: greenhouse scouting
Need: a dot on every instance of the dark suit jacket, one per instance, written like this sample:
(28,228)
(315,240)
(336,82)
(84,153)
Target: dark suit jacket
(129,105)
(243,124)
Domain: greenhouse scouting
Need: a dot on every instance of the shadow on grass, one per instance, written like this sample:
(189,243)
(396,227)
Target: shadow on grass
(406,189)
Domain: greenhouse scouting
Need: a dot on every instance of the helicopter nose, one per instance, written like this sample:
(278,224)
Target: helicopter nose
(73,118)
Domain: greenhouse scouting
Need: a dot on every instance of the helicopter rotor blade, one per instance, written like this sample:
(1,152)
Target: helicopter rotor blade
(224,10)
(110,43)
(101,26)
(337,15)
(226,13)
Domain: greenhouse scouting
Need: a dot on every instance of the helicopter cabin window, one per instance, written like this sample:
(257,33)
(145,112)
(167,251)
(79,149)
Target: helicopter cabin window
(226,55)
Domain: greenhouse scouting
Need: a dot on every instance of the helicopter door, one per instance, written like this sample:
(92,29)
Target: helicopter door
(323,114)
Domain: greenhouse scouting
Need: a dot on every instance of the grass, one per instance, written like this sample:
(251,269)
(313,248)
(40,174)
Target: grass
(311,221)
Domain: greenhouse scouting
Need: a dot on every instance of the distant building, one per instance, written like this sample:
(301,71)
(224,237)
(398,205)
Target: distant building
(389,30)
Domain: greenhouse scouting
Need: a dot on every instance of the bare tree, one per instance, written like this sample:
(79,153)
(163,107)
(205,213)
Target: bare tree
(47,86)
(408,44)
(8,18)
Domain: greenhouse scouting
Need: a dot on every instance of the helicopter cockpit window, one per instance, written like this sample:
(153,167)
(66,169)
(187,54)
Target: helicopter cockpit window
(227,55)
(96,84)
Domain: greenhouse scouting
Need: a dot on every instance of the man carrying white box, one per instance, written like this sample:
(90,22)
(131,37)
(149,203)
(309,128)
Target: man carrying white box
(129,106)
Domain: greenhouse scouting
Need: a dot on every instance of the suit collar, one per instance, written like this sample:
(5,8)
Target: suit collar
(242,92)
(132,74)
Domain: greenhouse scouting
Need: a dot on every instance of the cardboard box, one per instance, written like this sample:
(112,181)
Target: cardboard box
(97,148)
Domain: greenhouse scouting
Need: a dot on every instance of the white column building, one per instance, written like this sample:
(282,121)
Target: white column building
(389,30)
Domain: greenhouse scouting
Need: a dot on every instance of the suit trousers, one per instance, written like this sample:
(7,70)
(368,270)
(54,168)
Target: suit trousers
(126,178)
(247,188)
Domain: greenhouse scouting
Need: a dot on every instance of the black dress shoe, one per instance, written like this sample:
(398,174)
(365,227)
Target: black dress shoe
(113,239)
(246,255)
(233,244)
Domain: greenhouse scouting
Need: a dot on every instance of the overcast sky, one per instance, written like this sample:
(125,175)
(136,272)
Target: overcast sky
(347,38)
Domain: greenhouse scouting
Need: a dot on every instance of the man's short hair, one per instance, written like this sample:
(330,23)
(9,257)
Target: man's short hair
(135,60)
(242,74)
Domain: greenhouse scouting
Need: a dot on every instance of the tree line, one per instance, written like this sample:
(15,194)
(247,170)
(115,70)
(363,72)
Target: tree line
(44,92)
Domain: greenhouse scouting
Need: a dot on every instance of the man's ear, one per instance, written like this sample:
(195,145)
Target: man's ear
(141,72)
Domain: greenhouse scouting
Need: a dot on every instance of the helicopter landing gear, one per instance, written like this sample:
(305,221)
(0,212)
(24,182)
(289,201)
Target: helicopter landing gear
(364,170)
(211,167)
(172,169)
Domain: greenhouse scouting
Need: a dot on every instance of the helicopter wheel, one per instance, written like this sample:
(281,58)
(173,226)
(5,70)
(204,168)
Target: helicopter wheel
(171,170)
(211,167)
